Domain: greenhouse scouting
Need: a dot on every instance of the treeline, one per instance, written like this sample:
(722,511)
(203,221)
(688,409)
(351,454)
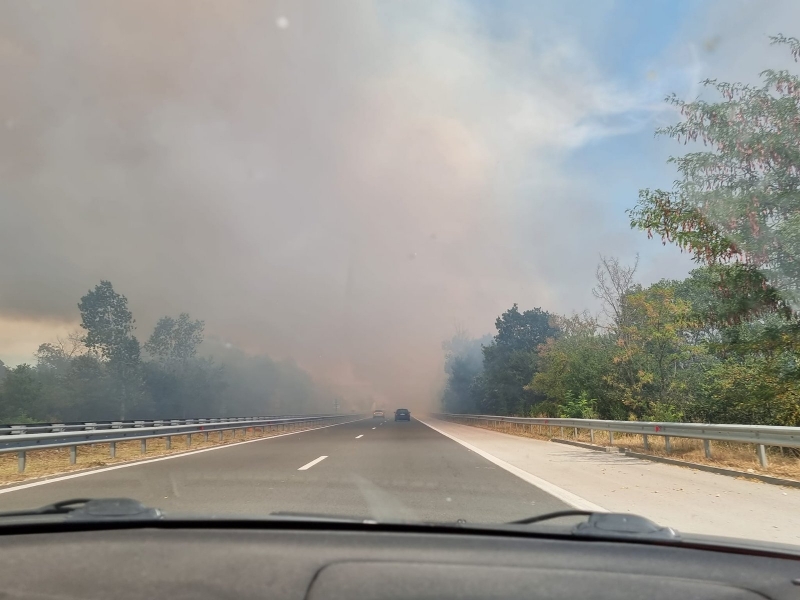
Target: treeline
(104,373)
(722,345)
(659,355)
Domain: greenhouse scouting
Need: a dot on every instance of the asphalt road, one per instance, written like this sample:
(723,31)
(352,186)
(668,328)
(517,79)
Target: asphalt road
(383,470)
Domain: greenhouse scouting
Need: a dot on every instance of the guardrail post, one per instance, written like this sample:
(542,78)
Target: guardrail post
(667,444)
(591,435)
(113,449)
(73,455)
(21,461)
(707,448)
(610,438)
(221,434)
(188,440)
(576,433)
(562,432)
(762,455)
(206,436)
(646,442)
(144,446)
(168,441)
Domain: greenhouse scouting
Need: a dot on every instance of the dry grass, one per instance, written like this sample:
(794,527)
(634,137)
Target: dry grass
(723,454)
(41,463)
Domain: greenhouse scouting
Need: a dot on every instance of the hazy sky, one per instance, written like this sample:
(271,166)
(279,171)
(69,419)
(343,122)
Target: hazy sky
(341,182)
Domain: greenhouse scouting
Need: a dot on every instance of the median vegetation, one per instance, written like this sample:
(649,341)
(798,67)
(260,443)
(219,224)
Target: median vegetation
(719,346)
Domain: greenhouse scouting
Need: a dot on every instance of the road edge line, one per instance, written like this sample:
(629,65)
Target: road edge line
(136,463)
(573,500)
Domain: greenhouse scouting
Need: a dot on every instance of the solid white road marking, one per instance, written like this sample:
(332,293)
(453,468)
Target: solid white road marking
(567,497)
(25,486)
(360,436)
(312,463)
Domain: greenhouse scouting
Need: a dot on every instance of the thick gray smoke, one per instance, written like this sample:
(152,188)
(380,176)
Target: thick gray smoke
(335,182)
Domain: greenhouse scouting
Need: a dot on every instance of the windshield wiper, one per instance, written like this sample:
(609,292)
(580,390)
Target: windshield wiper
(88,509)
(553,515)
(614,525)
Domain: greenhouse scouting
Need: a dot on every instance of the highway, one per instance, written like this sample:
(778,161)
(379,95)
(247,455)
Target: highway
(428,471)
(383,470)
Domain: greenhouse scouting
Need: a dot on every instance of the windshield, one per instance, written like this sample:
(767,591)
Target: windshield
(235,232)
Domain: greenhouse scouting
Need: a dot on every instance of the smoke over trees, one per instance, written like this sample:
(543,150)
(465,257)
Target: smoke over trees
(104,373)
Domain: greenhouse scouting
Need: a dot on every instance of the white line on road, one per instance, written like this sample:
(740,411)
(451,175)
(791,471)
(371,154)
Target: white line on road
(373,428)
(312,463)
(567,497)
(362,435)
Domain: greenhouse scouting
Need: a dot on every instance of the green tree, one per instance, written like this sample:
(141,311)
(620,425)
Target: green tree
(760,389)
(180,384)
(109,327)
(738,198)
(52,367)
(108,322)
(578,407)
(577,365)
(652,353)
(509,362)
(175,340)
(20,395)
(88,386)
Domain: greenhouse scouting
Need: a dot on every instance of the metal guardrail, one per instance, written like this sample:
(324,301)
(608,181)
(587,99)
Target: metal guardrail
(25,428)
(759,435)
(23,439)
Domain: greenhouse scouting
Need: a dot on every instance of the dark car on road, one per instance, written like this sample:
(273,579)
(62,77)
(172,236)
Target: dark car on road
(402,414)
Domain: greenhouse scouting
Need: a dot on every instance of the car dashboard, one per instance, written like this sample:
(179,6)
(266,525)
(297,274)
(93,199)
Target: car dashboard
(251,563)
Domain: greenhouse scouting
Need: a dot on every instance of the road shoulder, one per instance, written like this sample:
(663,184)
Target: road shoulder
(686,499)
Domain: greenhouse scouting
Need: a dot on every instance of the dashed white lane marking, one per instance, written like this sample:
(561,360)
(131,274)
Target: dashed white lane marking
(373,428)
(567,497)
(360,436)
(312,463)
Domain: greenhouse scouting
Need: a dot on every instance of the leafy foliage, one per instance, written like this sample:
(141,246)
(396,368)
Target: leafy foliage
(175,339)
(109,326)
(509,362)
(738,199)
(578,407)
(662,356)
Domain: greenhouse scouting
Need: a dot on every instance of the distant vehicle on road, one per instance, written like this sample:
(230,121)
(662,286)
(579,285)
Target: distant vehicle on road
(377,414)
(402,414)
